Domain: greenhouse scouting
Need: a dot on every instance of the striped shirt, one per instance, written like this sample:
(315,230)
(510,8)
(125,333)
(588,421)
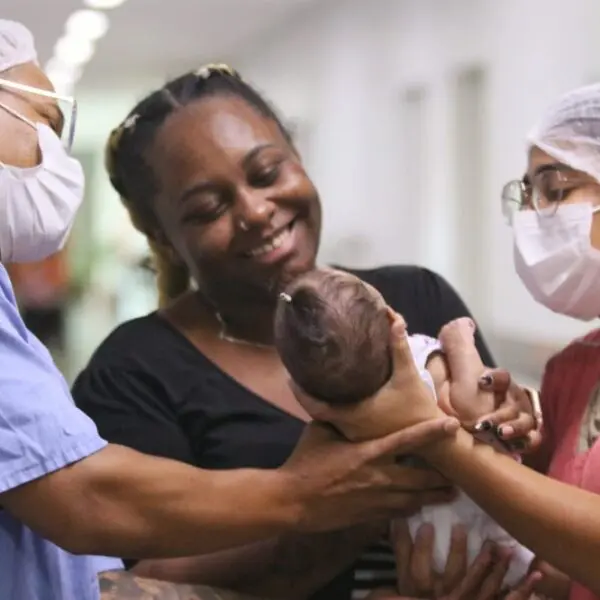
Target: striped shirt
(376,568)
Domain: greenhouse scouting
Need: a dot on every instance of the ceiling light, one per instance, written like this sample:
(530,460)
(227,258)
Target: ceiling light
(103,4)
(73,51)
(63,82)
(87,24)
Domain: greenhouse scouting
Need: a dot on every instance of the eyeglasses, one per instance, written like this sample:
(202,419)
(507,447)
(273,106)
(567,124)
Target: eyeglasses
(69,115)
(543,192)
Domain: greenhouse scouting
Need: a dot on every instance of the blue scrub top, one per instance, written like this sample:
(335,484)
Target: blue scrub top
(41,430)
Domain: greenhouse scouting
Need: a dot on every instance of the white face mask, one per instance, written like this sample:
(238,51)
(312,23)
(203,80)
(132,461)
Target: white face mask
(38,204)
(556,261)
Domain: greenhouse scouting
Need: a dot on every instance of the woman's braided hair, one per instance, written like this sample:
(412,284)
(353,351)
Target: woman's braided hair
(132,176)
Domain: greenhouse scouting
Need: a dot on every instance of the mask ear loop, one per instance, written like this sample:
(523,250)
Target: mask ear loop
(25,120)
(18,115)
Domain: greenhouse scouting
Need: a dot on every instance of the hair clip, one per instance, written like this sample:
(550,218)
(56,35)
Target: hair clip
(285,297)
(205,71)
(130,121)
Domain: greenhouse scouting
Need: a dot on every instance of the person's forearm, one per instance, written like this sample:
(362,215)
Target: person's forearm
(119,502)
(291,567)
(558,522)
(121,585)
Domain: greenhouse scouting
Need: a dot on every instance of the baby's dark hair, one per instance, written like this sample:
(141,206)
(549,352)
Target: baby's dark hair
(127,164)
(332,334)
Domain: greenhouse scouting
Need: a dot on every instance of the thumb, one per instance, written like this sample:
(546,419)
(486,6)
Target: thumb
(495,380)
(403,364)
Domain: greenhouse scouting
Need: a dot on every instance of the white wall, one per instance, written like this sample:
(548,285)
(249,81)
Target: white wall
(344,70)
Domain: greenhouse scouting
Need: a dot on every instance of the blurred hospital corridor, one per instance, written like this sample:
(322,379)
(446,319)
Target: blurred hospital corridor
(410,115)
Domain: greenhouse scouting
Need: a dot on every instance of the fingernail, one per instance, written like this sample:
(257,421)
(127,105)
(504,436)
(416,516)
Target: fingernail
(483,426)
(505,431)
(459,532)
(486,380)
(426,530)
(536,576)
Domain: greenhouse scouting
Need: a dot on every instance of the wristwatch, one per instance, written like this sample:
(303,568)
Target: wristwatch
(536,406)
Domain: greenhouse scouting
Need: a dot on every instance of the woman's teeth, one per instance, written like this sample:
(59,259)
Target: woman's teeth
(274,243)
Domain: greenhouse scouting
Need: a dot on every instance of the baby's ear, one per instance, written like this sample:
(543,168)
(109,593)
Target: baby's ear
(318,410)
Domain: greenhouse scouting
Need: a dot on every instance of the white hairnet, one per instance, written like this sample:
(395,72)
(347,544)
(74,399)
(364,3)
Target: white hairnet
(570,130)
(16,45)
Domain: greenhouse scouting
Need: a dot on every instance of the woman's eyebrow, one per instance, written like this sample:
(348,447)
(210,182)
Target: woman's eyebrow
(556,166)
(254,153)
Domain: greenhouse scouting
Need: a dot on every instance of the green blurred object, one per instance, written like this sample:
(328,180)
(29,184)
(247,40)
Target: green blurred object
(82,249)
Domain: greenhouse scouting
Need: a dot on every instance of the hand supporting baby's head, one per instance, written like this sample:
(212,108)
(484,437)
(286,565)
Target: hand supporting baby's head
(332,333)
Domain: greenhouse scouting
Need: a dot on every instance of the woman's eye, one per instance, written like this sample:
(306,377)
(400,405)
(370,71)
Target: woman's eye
(265,177)
(205,212)
(555,195)
(559,192)
(554,186)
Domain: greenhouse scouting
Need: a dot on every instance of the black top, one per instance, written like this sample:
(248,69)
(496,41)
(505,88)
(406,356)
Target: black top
(149,388)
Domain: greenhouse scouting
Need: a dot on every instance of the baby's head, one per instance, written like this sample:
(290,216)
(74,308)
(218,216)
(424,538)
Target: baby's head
(332,332)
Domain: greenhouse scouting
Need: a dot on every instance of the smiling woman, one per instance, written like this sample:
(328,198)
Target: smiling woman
(210,175)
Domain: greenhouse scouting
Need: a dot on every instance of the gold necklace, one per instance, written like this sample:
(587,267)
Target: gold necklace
(235,340)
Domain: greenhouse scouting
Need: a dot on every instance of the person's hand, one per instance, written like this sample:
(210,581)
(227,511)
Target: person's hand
(481,581)
(552,583)
(410,397)
(526,590)
(336,483)
(513,420)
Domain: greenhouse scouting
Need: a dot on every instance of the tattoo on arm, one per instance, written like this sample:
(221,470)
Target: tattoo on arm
(122,585)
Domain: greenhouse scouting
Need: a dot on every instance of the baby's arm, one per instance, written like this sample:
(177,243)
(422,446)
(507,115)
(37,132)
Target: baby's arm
(466,367)
(437,366)
(456,377)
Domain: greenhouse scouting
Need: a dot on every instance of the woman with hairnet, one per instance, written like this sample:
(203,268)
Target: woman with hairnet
(552,507)
(66,494)
(553,212)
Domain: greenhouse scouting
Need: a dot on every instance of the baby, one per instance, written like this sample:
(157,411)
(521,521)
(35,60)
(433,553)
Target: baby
(332,332)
